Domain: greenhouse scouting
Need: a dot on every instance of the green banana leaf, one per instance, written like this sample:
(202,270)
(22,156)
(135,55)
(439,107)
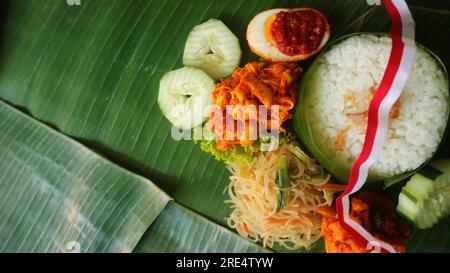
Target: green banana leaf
(178,229)
(92,72)
(59,196)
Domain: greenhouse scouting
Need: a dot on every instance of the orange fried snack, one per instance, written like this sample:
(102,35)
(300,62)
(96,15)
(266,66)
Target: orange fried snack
(376,214)
(255,84)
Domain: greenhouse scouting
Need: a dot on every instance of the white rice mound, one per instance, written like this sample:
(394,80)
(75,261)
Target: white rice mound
(351,69)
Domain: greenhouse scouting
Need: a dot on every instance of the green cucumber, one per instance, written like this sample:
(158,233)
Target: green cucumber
(284,197)
(425,199)
(213,48)
(184,96)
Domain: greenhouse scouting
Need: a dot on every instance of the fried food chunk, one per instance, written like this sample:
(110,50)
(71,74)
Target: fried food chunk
(376,213)
(237,100)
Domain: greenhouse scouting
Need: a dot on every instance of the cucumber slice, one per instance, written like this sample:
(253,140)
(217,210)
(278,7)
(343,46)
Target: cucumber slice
(425,199)
(284,197)
(213,48)
(419,186)
(407,206)
(185,97)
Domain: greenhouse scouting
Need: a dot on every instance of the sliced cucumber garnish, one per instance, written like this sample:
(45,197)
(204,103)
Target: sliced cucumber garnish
(213,48)
(184,95)
(284,197)
(426,197)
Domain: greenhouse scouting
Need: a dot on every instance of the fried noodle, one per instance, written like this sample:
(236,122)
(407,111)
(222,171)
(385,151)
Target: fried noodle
(254,197)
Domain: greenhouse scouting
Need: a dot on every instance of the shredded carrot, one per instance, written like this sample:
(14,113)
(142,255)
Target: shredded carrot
(395,111)
(340,138)
(358,119)
(243,228)
(372,91)
(332,187)
(273,220)
(352,99)
(339,142)
(326,211)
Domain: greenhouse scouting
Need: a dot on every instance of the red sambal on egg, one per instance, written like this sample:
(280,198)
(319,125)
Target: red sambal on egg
(297,31)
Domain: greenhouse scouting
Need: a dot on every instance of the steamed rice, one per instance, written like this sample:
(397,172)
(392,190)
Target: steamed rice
(342,86)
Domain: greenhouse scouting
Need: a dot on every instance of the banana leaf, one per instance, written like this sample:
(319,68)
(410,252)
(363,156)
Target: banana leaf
(58,196)
(178,229)
(92,72)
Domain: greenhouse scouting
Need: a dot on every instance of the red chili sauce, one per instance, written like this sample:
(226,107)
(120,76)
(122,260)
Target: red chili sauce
(298,32)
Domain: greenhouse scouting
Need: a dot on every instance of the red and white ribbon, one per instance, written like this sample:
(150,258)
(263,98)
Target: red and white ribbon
(391,86)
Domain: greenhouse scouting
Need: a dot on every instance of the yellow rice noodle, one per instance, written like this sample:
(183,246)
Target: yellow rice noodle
(254,197)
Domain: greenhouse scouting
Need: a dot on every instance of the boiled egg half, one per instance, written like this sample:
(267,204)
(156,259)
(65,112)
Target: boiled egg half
(288,35)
